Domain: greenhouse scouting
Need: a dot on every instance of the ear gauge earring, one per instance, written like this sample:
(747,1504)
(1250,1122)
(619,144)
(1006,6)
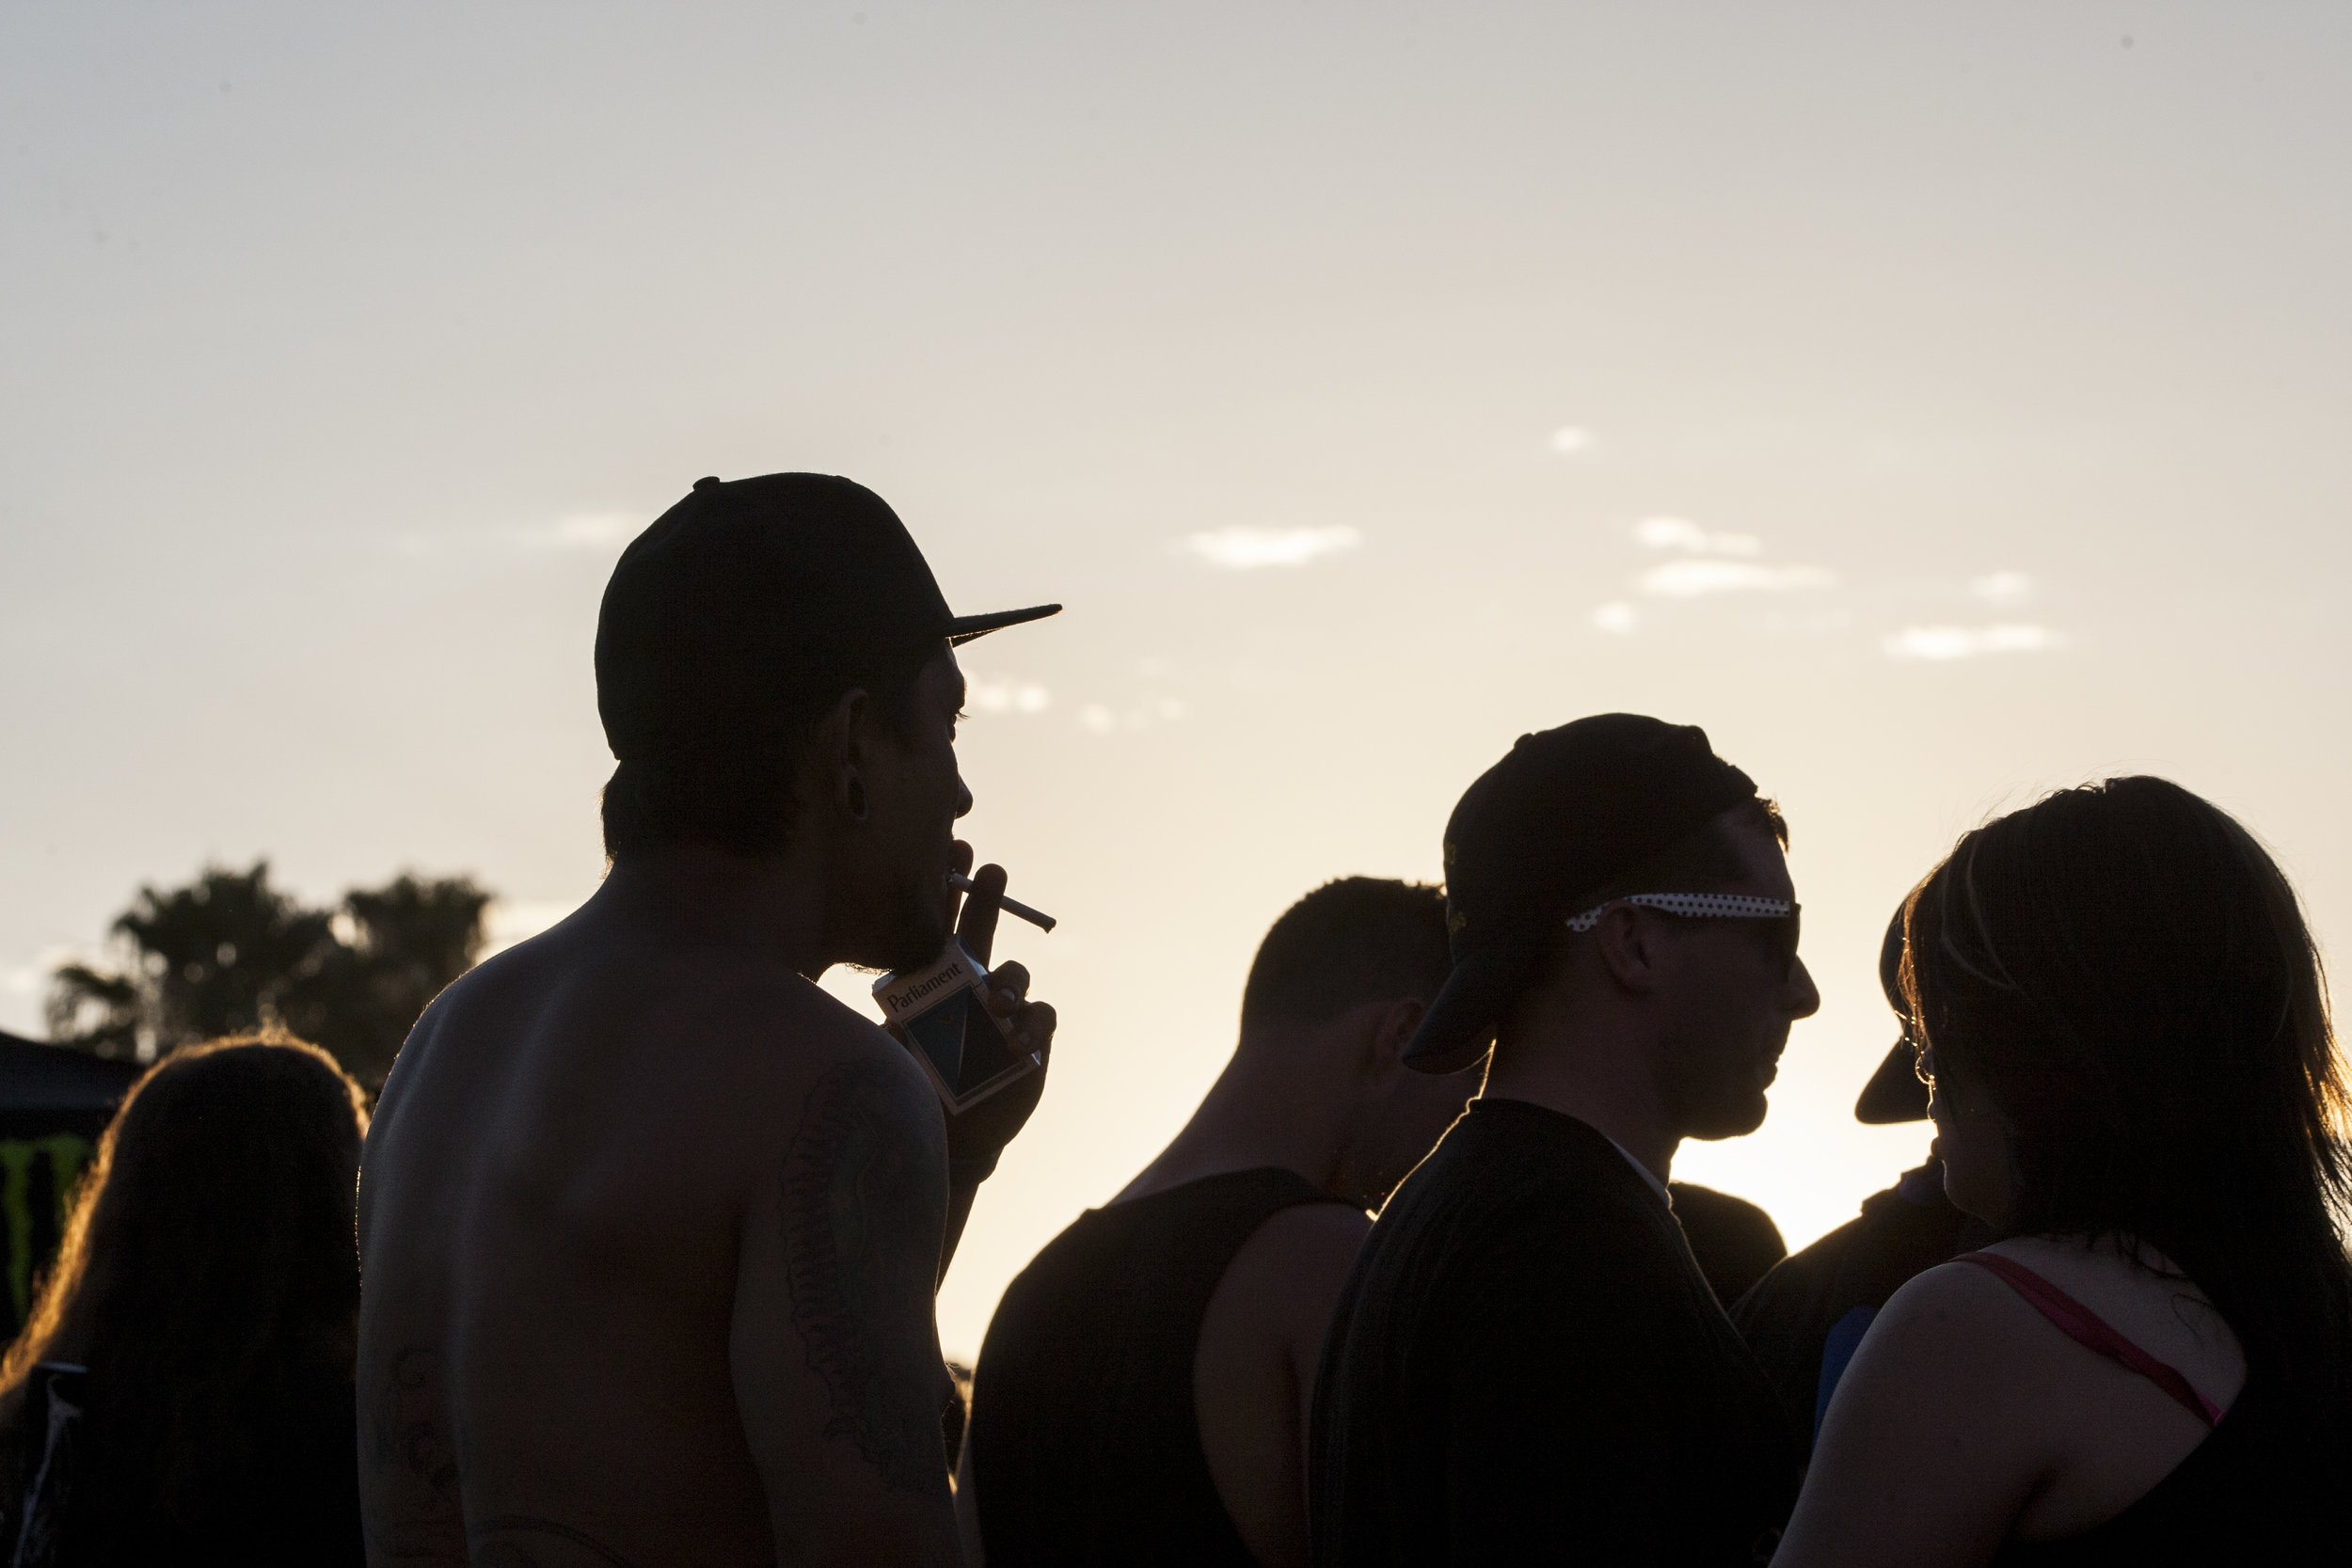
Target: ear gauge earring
(857,799)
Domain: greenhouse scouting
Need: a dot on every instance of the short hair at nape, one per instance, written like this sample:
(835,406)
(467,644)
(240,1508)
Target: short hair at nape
(1357,940)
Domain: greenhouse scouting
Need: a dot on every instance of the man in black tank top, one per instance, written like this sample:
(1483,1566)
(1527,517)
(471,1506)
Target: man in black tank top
(1141,1396)
(1526,1364)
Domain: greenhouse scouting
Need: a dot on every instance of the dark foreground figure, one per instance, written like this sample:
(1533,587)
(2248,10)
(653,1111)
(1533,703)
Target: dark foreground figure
(1527,1365)
(650,1223)
(1142,1397)
(1735,1242)
(2136,1084)
(182,1392)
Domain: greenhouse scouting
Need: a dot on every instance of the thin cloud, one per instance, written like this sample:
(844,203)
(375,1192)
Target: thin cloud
(1616,617)
(1951,643)
(581,530)
(985,695)
(2005,590)
(1246,549)
(1687,579)
(1569,439)
(584,532)
(1100,720)
(1680,534)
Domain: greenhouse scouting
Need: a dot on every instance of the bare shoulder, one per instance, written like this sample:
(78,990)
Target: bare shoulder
(1957,1358)
(2144,1297)
(1947,1302)
(1935,1440)
(788,1034)
(1254,1368)
(1308,1243)
(1293,1268)
(1958,1361)
(1961,1325)
(737,1041)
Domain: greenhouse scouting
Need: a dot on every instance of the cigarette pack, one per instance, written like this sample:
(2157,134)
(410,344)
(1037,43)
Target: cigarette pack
(939,1013)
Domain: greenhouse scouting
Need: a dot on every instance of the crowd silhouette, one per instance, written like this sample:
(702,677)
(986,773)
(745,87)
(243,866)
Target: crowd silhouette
(649,1229)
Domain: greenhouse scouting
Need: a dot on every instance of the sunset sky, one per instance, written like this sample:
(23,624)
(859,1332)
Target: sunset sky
(1938,402)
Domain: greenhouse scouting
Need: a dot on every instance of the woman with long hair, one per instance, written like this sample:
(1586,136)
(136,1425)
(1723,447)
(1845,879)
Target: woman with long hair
(2135,1083)
(183,1391)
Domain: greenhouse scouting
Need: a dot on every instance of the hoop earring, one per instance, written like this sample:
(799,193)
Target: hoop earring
(857,799)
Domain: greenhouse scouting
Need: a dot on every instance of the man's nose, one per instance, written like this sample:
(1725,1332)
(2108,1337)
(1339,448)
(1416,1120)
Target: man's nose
(1804,999)
(963,796)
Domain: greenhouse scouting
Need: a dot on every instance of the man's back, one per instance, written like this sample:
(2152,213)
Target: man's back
(1734,1242)
(1527,1365)
(649,1229)
(1087,1442)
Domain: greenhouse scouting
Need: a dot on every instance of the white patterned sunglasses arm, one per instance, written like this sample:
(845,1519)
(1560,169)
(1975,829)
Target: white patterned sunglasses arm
(1737,905)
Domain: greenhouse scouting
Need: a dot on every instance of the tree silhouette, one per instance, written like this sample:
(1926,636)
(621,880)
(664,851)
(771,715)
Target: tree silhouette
(228,952)
(404,941)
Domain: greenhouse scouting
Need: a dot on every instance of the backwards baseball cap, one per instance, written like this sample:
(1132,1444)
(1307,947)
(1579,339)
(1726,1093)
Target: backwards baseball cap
(1894,1092)
(747,591)
(1567,811)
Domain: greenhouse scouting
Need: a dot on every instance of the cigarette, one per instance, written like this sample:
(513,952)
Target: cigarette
(1010,906)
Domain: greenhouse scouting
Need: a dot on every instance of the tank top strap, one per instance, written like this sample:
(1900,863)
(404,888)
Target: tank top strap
(2087,1328)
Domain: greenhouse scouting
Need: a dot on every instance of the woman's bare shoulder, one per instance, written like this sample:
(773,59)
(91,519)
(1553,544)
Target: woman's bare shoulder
(1954,1305)
(1959,1329)
(2144,1297)
(1933,1443)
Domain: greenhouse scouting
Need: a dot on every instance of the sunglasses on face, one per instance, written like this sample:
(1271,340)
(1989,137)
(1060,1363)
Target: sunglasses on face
(1778,917)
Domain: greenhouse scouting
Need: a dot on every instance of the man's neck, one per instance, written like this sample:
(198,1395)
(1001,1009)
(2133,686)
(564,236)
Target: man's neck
(1592,1086)
(701,894)
(1249,1121)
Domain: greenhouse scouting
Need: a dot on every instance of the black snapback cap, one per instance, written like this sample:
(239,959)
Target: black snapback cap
(745,591)
(1894,1093)
(1557,820)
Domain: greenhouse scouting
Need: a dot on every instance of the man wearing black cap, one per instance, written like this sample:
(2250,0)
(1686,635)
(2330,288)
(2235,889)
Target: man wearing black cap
(650,1225)
(1527,1364)
(1806,1318)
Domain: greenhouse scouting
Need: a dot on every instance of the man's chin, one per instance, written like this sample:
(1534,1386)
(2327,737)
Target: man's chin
(918,949)
(1734,1120)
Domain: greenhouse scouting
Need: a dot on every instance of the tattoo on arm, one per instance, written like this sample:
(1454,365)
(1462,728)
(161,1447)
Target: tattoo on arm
(495,1544)
(860,1254)
(409,1426)
(409,1484)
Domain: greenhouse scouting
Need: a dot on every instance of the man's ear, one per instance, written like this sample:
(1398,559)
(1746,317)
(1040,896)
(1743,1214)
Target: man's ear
(839,749)
(1627,946)
(1391,1030)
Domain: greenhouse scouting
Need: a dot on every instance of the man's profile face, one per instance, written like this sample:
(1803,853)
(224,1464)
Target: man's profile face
(1730,1000)
(914,796)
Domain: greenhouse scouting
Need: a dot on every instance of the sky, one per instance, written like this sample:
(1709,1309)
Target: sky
(1940,404)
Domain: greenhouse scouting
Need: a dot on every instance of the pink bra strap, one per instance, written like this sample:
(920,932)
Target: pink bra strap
(2087,1328)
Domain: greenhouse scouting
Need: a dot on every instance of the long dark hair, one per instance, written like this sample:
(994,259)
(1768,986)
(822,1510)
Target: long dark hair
(2129,974)
(207,1277)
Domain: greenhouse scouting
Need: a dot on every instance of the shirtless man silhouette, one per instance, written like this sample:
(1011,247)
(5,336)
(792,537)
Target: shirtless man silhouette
(650,1226)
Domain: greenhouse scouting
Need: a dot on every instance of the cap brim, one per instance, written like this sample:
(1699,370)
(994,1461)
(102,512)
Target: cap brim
(964,628)
(1894,1093)
(1460,1023)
